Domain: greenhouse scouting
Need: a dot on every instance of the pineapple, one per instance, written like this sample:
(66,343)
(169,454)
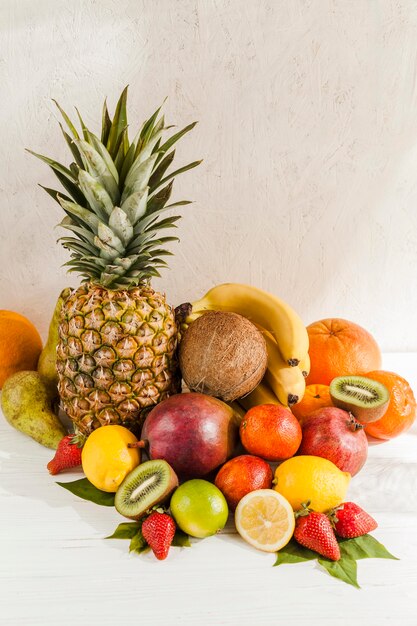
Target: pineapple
(117,336)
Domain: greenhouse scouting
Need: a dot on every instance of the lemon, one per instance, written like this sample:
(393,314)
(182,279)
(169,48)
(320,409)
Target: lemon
(199,508)
(106,459)
(311,478)
(265,519)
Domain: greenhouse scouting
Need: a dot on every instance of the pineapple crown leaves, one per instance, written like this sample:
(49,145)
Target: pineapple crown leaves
(115,195)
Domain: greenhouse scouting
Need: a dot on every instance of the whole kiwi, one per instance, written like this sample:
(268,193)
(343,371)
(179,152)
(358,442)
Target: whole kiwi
(222,354)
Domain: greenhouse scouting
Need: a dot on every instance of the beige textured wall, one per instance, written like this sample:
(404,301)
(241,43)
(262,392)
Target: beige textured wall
(308,130)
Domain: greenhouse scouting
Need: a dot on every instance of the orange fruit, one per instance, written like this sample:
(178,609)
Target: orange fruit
(401,411)
(315,397)
(271,432)
(241,475)
(20,345)
(340,348)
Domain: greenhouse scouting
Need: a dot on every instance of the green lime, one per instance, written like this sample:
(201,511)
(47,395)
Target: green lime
(199,508)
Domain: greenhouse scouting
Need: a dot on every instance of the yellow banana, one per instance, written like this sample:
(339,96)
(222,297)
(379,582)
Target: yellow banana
(265,309)
(287,383)
(305,365)
(262,394)
(238,410)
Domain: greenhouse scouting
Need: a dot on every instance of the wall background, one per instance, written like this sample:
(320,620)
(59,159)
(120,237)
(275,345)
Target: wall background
(308,130)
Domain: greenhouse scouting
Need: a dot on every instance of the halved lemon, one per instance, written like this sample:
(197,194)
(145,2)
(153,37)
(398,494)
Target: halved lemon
(265,519)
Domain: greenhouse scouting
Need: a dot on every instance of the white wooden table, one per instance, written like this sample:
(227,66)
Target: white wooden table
(56,568)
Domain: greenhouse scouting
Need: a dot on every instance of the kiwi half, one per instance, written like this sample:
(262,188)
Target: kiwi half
(365,398)
(148,484)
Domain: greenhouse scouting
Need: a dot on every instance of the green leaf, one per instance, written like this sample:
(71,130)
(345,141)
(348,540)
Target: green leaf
(364,547)
(174,138)
(181,170)
(83,126)
(86,216)
(101,149)
(105,124)
(293,552)
(148,129)
(97,196)
(80,231)
(64,175)
(72,189)
(345,569)
(121,150)
(138,543)
(160,198)
(96,167)
(118,124)
(125,530)
(168,222)
(351,551)
(138,176)
(72,147)
(55,194)
(79,246)
(84,489)
(54,164)
(127,163)
(157,175)
(67,120)
(181,540)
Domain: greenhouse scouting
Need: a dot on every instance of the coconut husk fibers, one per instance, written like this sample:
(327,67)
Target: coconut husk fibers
(223,354)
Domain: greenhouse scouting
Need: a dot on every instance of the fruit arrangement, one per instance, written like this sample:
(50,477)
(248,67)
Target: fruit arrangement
(183,417)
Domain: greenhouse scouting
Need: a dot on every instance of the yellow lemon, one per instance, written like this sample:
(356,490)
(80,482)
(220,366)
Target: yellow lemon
(265,519)
(106,458)
(311,478)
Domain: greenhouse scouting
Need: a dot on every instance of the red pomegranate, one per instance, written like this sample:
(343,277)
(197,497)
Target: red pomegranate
(336,435)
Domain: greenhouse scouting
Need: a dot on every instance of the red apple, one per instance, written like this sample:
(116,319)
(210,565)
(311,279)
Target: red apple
(335,435)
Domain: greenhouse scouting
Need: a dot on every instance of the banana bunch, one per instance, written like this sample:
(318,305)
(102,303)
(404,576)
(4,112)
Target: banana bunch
(285,335)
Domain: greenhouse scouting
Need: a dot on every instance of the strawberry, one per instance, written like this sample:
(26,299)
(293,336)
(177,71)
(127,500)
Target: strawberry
(159,529)
(350,520)
(314,531)
(68,454)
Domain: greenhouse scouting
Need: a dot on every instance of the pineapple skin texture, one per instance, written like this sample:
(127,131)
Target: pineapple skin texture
(116,355)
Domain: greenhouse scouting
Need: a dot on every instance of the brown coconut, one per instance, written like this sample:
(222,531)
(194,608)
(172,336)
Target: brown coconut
(223,354)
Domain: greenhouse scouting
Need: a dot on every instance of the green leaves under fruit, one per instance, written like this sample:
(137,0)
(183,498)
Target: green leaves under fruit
(133,531)
(293,552)
(126,530)
(138,543)
(365,547)
(345,569)
(181,540)
(84,489)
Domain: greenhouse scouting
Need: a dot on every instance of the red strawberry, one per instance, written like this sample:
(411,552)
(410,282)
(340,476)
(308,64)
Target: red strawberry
(159,529)
(349,521)
(314,531)
(68,454)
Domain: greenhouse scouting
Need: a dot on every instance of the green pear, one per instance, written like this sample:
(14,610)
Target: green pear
(26,402)
(47,360)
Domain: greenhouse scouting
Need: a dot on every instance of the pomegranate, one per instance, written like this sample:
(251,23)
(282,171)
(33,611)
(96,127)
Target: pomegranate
(193,432)
(336,435)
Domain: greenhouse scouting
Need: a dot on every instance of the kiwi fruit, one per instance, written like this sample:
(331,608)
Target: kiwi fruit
(148,484)
(365,398)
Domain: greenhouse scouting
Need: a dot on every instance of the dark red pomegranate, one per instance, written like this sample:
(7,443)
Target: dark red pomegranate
(193,432)
(335,435)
